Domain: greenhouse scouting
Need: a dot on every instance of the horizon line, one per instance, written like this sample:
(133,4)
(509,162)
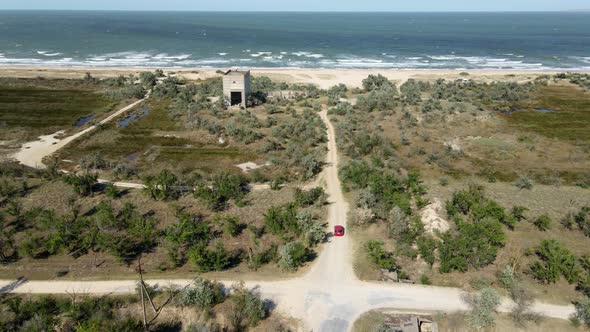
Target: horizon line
(297,11)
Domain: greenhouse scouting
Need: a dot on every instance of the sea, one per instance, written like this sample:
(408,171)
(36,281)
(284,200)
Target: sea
(523,41)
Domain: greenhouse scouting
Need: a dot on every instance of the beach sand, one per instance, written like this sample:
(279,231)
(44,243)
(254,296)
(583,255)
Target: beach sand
(324,78)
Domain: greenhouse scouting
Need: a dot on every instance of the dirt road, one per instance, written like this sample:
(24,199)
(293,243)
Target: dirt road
(329,297)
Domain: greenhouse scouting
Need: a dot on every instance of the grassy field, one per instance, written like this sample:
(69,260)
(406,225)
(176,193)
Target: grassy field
(156,141)
(41,110)
(568,121)
(456,323)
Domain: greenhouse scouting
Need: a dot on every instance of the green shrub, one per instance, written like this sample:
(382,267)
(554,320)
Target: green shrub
(380,257)
(376,82)
(583,311)
(543,222)
(160,187)
(224,187)
(247,308)
(210,260)
(111,191)
(281,220)
(473,245)
(83,184)
(292,255)
(202,294)
(482,308)
(232,225)
(524,183)
(306,198)
(554,261)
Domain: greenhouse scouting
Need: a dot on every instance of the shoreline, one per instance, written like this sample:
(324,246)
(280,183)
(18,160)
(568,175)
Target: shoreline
(323,77)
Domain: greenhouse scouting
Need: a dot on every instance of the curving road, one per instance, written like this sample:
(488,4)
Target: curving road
(329,297)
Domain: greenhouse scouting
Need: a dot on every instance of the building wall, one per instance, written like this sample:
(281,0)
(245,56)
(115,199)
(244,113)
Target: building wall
(237,82)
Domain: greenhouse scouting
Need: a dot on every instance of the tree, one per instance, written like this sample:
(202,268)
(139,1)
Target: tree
(482,308)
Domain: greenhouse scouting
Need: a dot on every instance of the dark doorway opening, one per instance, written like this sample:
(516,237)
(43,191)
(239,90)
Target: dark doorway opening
(236,98)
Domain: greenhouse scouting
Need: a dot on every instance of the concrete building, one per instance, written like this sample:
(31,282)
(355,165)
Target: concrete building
(236,87)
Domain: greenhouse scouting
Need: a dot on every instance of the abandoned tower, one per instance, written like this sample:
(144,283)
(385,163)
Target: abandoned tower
(236,87)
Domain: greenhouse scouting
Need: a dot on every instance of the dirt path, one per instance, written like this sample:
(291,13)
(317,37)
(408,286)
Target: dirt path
(32,154)
(329,297)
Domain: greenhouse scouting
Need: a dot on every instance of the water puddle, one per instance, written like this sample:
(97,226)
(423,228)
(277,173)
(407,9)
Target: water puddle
(544,110)
(134,156)
(82,121)
(126,121)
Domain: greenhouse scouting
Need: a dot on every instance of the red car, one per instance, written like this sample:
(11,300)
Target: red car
(338,230)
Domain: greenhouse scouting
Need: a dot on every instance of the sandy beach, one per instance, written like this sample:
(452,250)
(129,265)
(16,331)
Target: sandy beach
(324,78)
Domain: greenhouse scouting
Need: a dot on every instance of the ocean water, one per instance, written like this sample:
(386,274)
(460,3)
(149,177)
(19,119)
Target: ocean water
(535,41)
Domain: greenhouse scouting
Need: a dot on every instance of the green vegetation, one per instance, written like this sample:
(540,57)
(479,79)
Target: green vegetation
(482,308)
(206,306)
(380,257)
(568,121)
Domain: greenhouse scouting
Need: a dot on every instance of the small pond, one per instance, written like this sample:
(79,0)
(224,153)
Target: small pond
(133,118)
(544,110)
(82,121)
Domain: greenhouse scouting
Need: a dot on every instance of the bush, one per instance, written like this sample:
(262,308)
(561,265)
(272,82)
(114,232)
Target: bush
(160,187)
(427,248)
(306,198)
(247,308)
(482,308)
(376,82)
(543,223)
(411,92)
(582,219)
(424,280)
(111,191)
(207,260)
(83,184)
(292,256)
(583,311)
(524,183)
(554,261)
(232,225)
(225,187)
(281,220)
(380,257)
(473,245)
(202,294)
